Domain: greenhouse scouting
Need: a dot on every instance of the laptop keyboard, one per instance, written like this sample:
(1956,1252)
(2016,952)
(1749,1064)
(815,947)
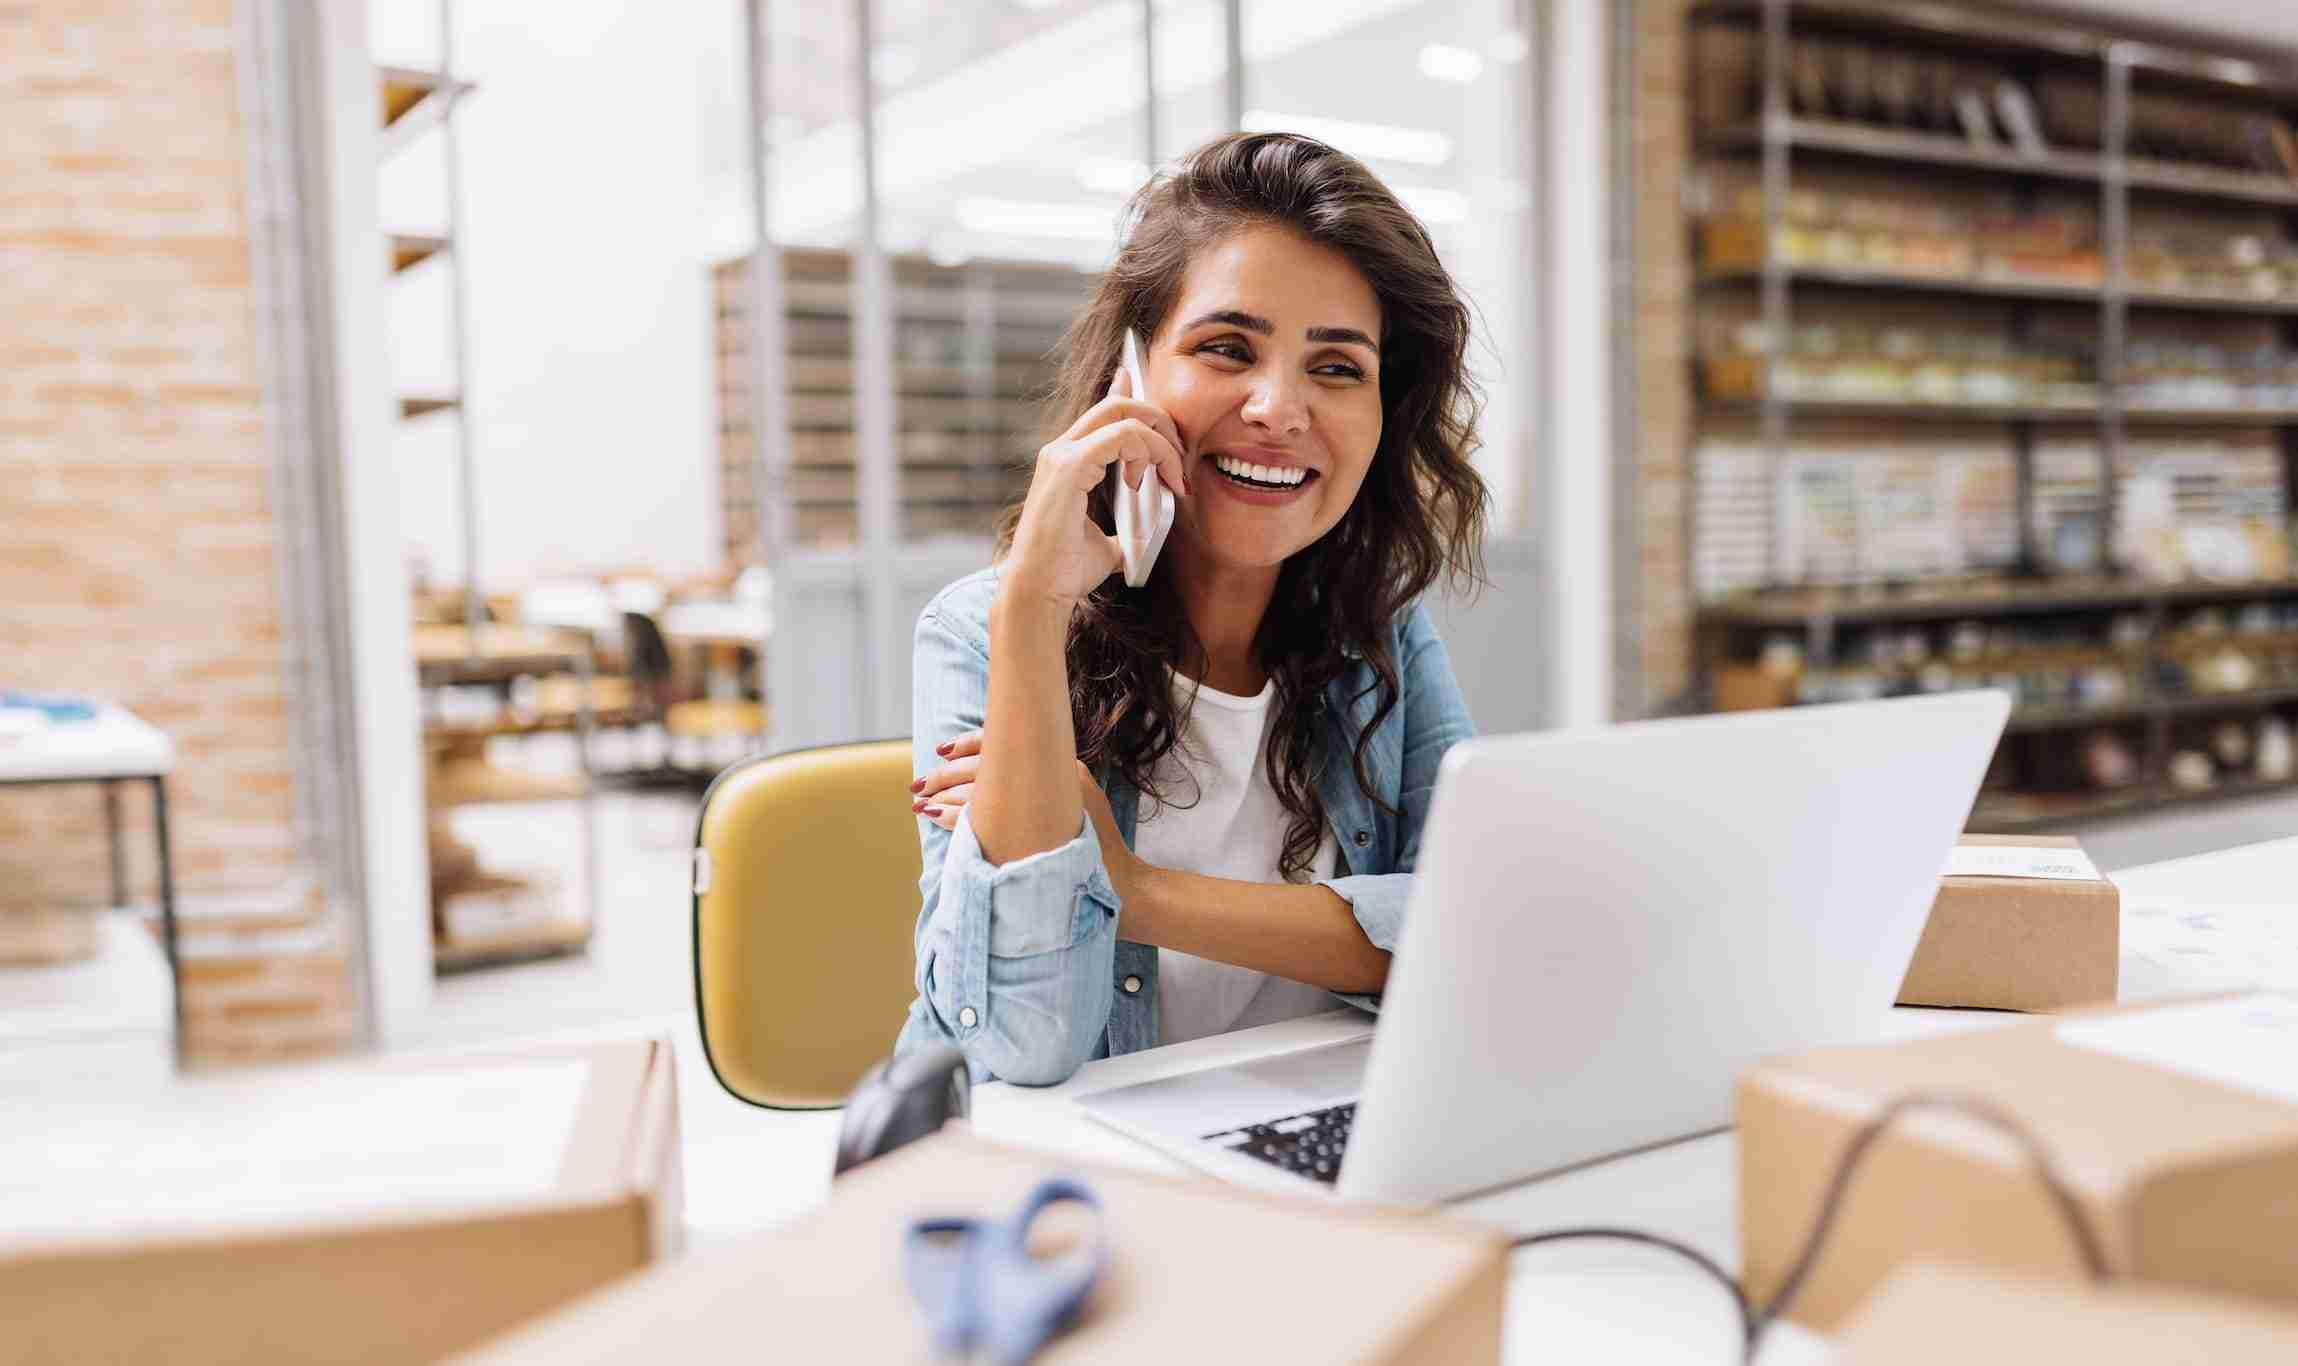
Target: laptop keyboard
(1305,1144)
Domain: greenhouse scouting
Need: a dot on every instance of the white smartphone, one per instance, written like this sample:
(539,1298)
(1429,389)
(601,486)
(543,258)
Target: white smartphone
(1144,514)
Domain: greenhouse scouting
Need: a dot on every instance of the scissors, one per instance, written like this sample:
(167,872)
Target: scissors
(984,1296)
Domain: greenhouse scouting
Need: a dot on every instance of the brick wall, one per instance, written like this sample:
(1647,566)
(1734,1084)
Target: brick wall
(1661,594)
(137,538)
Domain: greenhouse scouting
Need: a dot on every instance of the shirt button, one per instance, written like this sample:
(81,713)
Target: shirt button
(967,1019)
(1133,986)
(1363,838)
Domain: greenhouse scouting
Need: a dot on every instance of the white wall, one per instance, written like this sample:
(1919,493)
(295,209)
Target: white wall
(591,351)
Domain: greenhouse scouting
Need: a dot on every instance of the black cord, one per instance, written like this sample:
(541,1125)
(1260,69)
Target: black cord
(1748,1328)
(1755,1322)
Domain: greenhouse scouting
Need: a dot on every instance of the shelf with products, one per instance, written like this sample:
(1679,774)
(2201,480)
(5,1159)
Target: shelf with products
(974,349)
(1995,34)
(2008,285)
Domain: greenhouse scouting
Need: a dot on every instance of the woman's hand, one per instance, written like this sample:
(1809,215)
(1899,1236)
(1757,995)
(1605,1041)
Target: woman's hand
(1058,554)
(939,795)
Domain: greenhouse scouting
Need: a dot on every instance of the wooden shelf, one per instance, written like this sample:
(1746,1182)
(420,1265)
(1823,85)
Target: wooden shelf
(419,405)
(1908,147)
(2265,415)
(413,100)
(1996,287)
(2010,34)
(2009,598)
(549,939)
(409,250)
(1997,815)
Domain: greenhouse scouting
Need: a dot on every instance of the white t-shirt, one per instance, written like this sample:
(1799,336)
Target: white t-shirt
(1235,829)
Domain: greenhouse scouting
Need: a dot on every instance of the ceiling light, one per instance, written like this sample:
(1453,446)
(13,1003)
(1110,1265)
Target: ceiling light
(1024,218)
(1371,141)
(1112,175)
(1441,62)
(1511,46)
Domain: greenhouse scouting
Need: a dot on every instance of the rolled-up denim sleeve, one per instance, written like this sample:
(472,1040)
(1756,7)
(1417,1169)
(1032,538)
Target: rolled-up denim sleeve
(1433,717)
(1013,960)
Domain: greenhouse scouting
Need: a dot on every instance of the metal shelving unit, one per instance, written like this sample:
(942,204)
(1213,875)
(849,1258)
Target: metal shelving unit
(1779,137)
(416,102)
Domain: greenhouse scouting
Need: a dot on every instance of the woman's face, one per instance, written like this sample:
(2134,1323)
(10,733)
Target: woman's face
(1269,364)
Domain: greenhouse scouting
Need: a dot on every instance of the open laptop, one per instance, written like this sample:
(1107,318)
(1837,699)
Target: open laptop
(1607,926)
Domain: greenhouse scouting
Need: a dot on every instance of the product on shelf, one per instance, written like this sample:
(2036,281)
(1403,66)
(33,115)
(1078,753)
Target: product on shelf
(2230,744)
(1878,511)
(2277,755)
(2191,771)
(1899,365)
(2107,760)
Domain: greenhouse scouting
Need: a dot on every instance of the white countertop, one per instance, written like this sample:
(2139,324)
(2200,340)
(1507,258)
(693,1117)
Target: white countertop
(2194,924)
(113,744)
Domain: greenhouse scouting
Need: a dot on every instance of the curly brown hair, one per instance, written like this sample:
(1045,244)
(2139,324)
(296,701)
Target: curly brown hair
(1420,512)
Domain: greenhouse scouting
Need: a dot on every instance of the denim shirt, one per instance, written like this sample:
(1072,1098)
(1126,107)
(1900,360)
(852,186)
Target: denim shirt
(1022,965)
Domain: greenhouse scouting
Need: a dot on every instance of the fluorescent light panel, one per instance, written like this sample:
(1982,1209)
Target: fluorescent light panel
(1443,62)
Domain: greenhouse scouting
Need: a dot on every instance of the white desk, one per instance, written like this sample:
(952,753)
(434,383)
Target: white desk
(107,1016)
(108,749)
(2190,924)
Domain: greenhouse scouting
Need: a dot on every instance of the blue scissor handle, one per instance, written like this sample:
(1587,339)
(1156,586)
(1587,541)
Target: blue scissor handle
(982,1290)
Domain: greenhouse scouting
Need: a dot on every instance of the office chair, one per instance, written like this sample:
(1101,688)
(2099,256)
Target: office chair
(805,892)
(698,721)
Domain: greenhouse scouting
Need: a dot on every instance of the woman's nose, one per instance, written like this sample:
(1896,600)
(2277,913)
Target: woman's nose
(1278,405)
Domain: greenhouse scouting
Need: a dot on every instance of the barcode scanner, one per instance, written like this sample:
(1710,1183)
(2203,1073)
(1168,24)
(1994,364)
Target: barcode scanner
(903,1098)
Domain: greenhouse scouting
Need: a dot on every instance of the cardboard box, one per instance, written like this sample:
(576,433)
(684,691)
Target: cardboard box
(2038,943)
(2175,1125)
(389,1212)
(1197,1271)
(1930,1314)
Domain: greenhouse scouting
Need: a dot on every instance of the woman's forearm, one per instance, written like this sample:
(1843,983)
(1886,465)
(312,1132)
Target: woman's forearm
(1026,799)
(1305,933)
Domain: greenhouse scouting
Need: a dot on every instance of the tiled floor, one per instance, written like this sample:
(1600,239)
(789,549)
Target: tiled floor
(749,1168)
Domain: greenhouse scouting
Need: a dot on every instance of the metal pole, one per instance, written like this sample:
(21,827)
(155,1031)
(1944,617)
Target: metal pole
(769,431)
(466,460)
(1149,84)
(2114,210)
(874,420)
(1774,281)
(769,434)
(1233,75)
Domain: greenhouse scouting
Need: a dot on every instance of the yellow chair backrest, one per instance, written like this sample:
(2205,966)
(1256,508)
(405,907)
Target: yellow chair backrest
(806,869)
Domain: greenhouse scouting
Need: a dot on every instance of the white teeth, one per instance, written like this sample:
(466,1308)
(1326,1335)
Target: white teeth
(1266,474)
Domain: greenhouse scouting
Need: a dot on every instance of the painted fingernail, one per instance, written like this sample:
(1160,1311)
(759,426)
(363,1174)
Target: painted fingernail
(944,748)
(918,786)
(933,813)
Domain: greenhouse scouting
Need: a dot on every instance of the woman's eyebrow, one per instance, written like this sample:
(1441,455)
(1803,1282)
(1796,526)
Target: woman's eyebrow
(1254,322)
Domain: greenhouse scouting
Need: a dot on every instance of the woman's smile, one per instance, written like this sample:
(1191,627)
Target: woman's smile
(1259,478)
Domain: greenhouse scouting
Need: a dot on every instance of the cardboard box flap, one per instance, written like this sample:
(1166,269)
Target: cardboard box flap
(383,1212)
(2096,1113)
(1929,1313)
(1191,1262)
(2183,1178)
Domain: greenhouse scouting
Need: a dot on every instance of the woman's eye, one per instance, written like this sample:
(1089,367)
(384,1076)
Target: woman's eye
(1233,350)
(1341,370)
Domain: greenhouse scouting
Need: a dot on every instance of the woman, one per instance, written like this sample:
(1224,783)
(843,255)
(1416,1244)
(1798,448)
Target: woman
(1194,806)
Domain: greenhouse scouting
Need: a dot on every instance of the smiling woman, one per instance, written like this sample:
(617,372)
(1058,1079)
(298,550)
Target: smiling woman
(1229,764)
